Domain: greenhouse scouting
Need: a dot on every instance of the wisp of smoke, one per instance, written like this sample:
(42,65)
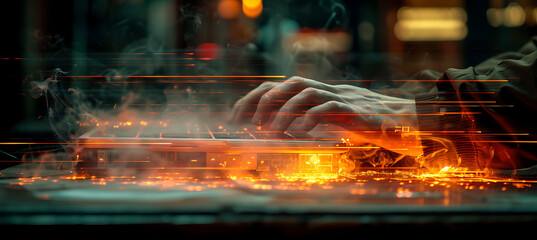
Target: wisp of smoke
(65,107)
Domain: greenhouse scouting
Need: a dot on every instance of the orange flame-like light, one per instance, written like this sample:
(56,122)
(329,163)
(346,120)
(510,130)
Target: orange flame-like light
(252,8)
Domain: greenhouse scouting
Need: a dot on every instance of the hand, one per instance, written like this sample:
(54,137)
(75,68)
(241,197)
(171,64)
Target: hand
(299,104)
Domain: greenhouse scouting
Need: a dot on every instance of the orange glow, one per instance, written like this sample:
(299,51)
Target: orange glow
(316,167)
(431,24)
(96,143)
(178,76)
(229,9)
(251,3)
(312,41)
(207,76)
(252,8)
(359,184)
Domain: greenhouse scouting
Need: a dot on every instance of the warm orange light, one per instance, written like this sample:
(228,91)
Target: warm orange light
(251,3)
(209,76)
(252,8)
(431,24)
(229,9)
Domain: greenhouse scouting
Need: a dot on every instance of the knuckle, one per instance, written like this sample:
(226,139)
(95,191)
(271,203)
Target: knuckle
(310,91)
(334,105)
(294,80)
(347,87)
(309,94)
(266,84)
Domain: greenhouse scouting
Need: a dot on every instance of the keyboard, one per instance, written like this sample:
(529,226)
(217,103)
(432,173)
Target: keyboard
(192,131)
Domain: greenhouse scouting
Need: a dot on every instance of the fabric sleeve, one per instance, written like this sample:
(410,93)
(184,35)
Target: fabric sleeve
(483,117)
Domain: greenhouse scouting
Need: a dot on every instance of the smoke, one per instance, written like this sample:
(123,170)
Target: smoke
(445,155)
(65,107)
(69,110)
(371,155)
(77,105)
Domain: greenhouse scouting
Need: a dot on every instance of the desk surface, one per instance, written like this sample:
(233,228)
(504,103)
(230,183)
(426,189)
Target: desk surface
(53,197)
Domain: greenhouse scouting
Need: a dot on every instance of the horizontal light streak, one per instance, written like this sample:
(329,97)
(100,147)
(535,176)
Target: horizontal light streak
(417,80)
(173,104)
(499,141)
(177,76)
(368,114)
(472,133)
(63,161)
(93,143)
(455,102)
(209,76)
(284,76)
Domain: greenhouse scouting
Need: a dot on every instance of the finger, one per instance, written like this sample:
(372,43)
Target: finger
(299,104)
(333,112)
(246,106)
(274,99)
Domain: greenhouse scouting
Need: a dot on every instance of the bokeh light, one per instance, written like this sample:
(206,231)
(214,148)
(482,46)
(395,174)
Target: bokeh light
(252,8)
